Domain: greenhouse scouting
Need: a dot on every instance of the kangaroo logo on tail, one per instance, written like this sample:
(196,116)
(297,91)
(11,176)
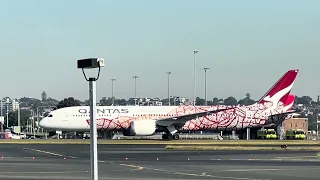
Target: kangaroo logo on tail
(280,91)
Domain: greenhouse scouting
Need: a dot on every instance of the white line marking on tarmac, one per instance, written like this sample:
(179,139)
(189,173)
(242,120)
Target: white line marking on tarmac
(290,157)
(129,165)
(189,174)
(257,170)
(266,159)
(51,153)
(243,170)
(246,159)
(52,172)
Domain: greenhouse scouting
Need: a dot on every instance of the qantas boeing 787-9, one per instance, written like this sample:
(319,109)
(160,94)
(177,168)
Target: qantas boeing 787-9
(271,109)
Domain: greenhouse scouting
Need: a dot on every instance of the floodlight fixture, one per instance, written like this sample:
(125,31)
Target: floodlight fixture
(91,63)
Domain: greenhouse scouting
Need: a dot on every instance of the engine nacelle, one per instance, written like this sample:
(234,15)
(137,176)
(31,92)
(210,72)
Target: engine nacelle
(141,128)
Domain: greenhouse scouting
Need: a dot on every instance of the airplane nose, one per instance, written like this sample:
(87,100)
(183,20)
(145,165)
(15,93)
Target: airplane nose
(43,123)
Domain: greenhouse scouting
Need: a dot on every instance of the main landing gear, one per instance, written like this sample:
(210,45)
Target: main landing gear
(170,136)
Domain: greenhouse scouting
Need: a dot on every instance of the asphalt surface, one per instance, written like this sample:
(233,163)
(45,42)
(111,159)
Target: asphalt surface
(153,162)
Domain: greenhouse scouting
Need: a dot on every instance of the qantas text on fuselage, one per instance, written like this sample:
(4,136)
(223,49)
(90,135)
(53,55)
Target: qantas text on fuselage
(106,111)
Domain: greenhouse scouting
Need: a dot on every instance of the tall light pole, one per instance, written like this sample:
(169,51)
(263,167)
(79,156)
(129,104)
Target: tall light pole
(318,126)
(33,125)
(169,73)
(135,89)
(1,107)
(112,80)
(194,76)
(19,124)
(91,63)
(7,115)
(205,85)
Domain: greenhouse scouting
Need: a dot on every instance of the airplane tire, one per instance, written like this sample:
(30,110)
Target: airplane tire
(165,136)
(176,136)
(170,136)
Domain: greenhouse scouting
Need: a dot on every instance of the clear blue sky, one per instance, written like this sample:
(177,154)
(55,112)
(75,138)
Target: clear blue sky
(247,44)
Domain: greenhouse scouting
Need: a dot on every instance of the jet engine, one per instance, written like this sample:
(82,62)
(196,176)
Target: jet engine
(141,128)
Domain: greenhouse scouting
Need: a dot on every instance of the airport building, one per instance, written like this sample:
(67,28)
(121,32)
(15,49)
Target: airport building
(296,123)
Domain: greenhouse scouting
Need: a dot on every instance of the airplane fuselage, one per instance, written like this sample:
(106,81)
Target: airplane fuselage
(117,118)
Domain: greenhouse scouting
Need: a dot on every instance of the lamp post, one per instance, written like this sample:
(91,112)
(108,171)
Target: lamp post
(112,80)
(91,63)
(1,107)
(194,76)
(205,85)
(318,126)
(7,109)
(135,89)
(33,125)
(169,73)
(7,115)
(19,123)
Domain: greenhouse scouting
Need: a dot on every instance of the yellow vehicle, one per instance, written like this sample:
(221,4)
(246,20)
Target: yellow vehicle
(295,134)
(267,134)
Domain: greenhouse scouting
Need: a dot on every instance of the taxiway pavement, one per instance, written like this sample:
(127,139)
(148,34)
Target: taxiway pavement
(153,162)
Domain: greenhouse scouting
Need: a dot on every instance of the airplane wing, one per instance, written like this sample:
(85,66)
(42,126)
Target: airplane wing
(187,117)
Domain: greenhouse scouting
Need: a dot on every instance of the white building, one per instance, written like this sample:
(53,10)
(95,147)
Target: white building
(14,105)
(8,105)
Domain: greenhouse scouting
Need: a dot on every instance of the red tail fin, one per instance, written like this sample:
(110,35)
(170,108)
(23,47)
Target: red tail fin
(281,89)
(289,103)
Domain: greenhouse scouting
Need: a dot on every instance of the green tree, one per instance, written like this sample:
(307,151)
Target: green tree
(246,101)
(27,102)
(200,101)
(106,101)
(230,101)
(68,102)
(215,101)
(123,102)
(13,117)
(305,100)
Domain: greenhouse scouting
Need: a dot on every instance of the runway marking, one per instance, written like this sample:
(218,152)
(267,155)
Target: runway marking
(37,172)
(258,169)
(51,153)
(129,165)
(290,157)
(245,159)
(189,174)
(267,159)
(297,169)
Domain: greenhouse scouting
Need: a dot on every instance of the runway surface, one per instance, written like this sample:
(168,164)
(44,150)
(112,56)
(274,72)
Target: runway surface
(153,162)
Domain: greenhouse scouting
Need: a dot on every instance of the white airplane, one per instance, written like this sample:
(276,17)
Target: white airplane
(271,109)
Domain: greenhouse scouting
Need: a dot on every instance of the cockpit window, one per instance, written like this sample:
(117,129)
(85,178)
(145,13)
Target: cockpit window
(50,115)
